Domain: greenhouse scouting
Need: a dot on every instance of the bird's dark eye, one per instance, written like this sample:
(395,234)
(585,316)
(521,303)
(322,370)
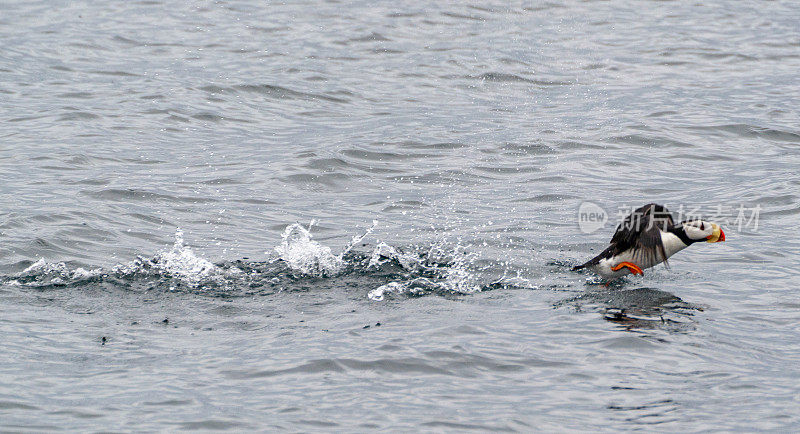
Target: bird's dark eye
(702,226)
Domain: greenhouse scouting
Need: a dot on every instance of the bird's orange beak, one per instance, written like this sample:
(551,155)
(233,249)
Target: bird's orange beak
(717,236)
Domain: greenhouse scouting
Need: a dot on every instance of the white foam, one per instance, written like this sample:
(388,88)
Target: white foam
(43,267)
(56,273)
(384,253)
(378,293)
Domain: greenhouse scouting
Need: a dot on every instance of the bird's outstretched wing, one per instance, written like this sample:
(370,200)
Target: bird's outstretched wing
(641,231)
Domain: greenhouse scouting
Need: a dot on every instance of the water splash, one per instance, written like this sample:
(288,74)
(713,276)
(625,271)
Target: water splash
(43,273)
(181,263)
(440,269)
(307,257)
(178,265)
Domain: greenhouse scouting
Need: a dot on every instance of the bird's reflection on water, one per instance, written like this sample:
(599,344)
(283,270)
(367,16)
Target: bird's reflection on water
(638,308)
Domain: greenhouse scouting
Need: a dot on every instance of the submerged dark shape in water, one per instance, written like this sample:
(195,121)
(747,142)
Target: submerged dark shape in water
(637,308)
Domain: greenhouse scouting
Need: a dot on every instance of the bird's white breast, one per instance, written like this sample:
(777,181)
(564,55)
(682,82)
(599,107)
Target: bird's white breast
(672,245)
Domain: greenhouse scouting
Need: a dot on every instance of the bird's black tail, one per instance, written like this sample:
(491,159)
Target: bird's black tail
(578,267)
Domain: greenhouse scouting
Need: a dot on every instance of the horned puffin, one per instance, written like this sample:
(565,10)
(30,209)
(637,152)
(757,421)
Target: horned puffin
(647,237)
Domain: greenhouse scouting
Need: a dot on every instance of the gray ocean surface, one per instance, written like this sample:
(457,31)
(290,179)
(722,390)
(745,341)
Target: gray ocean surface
(359,216)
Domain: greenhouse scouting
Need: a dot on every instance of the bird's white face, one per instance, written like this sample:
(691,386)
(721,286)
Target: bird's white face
(699,230)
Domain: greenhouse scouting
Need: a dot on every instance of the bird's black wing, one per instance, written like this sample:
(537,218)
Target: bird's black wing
(641,231)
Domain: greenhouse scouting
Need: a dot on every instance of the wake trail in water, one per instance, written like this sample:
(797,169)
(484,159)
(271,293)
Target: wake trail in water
(385,271)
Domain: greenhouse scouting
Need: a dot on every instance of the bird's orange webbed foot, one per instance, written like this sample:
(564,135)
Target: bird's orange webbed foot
(633,268)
